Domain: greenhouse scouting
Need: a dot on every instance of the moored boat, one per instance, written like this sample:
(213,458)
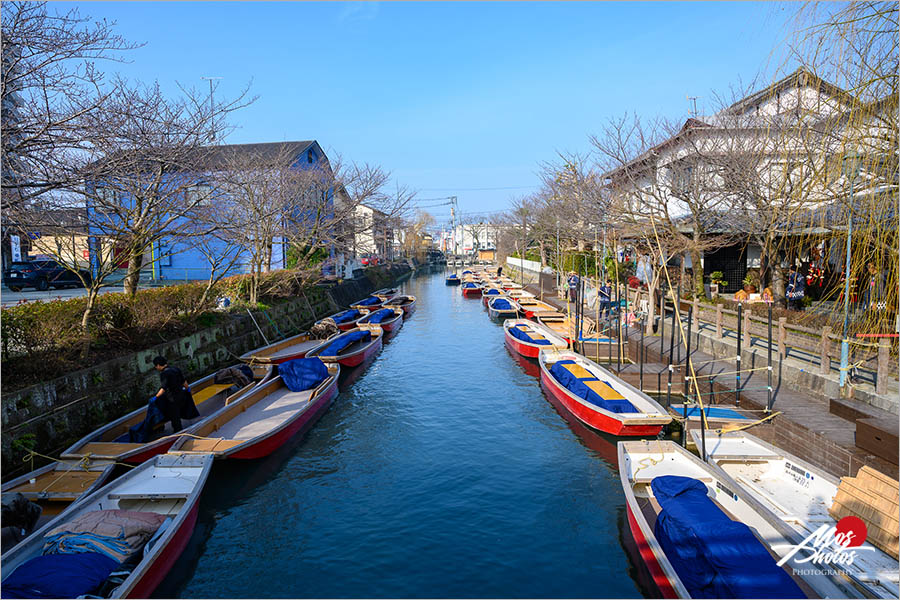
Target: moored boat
(389,318)
(260,422)
(117,542)
(528,338)
(284,350)
(532,306)
(700,537)
(385,293)
(597,397)
(489,292)
(344,320)
(470,289)
(452,279)
(350,348)
(112,441)
(563,325)
(796,496)
(502,308)
(368,303)
(406,302)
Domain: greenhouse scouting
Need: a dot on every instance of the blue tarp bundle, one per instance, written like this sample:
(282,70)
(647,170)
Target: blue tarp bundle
(577,387)
(369,301)
(59,576)
(714,556)
(501,304)
(303,374)
(492,292)
(470,284)
(518,333)
(467,272)
(341,342)
(347,315)
(452,276)
(380,316)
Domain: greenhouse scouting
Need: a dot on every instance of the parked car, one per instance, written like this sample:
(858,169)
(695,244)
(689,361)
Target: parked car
(40,274)
(370,261)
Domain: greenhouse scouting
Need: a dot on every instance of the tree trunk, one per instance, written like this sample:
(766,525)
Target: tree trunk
(543,253)
(93,292)
(133,274)
(697,270)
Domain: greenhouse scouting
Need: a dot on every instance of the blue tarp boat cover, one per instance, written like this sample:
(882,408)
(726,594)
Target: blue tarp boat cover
(303,374)
(470,284)
(347,315)
(452,276)
(501,304)
(59,576)
(341,342)
(467,272)
(492,292)
(369,301)
(577,387)
(380,316)
(518,333)
(714,556)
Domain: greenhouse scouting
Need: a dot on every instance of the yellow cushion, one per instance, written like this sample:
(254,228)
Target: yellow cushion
(209,391)
(604,391)
(578,371)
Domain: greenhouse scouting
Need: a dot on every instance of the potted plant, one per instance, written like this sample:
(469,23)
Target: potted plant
(751,281)
(716,279)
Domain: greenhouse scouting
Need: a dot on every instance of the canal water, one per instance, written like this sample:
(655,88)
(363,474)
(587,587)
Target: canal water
(440,471)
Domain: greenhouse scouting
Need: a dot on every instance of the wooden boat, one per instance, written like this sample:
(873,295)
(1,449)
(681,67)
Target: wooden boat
(563,325)
(287,349)
(470,289)
(796,496)
(344,320)
(452,279)
(597,397)
(263,420)
(671,493)
(169,485)
(519,294)
(55,486)
(502,308)
(351,347)
(488,292)
(369,303)
(110,442)
(389,318)
(528,338)
(406,302)
(385,293)
(531,306)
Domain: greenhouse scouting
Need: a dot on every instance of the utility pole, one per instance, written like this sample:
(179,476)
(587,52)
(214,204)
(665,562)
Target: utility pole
(212,125)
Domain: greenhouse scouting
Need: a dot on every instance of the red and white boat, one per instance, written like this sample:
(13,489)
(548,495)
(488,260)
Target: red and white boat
(528,338)
(344,320)
(597,397)
(169,486)
(287,349)
(111,442)
(350,348)
(713,534)
(385,293)
(263,420)
(489,292)
(406,302)
(389,318)
(502,307)
(470,289)
(531,306)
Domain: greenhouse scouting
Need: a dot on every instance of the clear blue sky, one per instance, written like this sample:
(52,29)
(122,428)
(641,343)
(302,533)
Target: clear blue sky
(450,96)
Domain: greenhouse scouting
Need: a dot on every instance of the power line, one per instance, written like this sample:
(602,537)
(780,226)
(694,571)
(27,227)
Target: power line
(484,189)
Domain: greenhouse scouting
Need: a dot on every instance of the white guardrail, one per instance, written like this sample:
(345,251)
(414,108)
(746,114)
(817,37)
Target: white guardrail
(525,265)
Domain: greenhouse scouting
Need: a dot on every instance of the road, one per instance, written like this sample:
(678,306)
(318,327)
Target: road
(10,298)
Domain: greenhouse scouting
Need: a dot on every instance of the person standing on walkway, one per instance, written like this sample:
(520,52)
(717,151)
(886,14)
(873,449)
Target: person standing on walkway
(604,295)
(796,289)
(499,271)
(573,280)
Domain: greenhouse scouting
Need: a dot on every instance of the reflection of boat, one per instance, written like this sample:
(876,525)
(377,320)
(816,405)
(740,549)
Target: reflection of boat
(601,443)
(597,397)
(406,302)
(261,421)
(470,289)
(162,498)
(699,536)
(796,497)
(529,338)
(345,320)
(389,318)
(502,308)
(452,279)
(110,442)
(351,347)
(528,365)
(278,352)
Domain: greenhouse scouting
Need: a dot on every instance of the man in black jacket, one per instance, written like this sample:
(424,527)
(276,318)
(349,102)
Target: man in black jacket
(174,395)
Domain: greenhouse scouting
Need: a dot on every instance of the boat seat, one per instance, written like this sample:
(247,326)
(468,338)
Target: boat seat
(604,390)
(209,391)
(103,449)
(168,506)
(579,372)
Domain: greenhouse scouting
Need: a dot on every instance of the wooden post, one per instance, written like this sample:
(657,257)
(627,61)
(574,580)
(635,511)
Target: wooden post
(696,311)
(782,337)
(718,320)
(884,355)
(748,341)
(825,351)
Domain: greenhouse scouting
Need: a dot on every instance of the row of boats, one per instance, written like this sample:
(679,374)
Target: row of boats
(117,537)
(742,524)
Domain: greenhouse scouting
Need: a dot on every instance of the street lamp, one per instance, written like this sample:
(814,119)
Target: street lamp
(850,168)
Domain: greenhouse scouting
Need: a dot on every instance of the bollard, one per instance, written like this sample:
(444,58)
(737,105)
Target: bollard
(882,376)
(825,351)
(718,320)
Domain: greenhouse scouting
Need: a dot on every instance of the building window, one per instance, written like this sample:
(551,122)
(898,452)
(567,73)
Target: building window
(198,195)
(310,157)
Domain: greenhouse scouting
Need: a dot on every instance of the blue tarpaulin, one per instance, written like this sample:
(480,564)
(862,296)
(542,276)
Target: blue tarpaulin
(470,284)
(303,374)
(467,272)
(347,315)
(369,301)
(492,292)
(519,334)
(501,304)
(380,316)
(59,576)
(342,341)
(714,556)
(577,387)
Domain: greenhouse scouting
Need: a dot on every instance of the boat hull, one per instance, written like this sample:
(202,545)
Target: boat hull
(471,292)
(659,577)
(594,419)
(453,281)
(502,314)
(520,348)
(360,357)
(147,454)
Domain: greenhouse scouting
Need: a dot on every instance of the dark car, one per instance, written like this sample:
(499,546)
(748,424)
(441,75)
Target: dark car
(40,274)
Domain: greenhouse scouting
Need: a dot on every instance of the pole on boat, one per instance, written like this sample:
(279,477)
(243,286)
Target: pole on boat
(769,364)
(618,331)
(662,320)
(671,354)
(686,384)
(265,339)
(737,364)
(678,312)
(641,356)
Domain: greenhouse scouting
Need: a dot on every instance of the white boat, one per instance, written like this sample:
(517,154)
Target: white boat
(707,512)
(168,485)
(797,495)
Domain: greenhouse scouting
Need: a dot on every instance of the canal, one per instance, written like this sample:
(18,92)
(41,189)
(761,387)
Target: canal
(441,471)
